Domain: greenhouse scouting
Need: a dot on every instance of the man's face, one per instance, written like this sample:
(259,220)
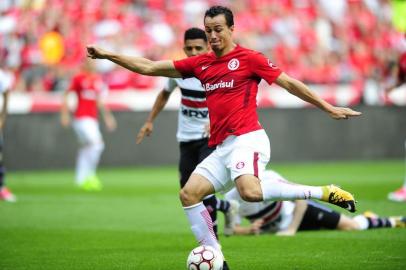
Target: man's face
(217,32)
(194,47)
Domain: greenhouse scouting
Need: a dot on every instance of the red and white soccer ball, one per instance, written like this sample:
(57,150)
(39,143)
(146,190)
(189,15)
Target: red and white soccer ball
(204,258)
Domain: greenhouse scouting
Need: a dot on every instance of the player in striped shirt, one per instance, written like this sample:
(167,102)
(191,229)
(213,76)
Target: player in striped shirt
(288,217)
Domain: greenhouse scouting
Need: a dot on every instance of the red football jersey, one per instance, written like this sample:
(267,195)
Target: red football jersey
(231,86)
(87,87)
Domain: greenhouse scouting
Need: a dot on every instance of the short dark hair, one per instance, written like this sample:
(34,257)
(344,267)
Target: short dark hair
(195,33)
(217,10)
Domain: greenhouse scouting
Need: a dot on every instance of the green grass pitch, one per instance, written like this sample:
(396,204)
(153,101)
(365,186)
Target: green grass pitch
(137,222)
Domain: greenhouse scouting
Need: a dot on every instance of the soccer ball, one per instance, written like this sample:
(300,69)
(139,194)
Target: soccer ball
(204,258)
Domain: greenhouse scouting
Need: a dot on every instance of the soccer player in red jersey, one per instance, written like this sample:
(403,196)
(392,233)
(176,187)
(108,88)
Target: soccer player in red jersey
(400,194)
(88,88)
(230,75)
(193,121)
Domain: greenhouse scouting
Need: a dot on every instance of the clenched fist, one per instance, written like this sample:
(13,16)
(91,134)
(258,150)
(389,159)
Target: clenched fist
(95,52)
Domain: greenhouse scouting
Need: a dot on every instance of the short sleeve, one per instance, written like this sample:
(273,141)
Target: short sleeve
(186,66)
(264,68)
(170,85)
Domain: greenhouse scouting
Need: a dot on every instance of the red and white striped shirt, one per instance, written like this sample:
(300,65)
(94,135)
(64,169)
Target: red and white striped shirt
(193,112)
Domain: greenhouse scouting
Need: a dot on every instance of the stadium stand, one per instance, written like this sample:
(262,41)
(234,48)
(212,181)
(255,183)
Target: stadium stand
(347,46)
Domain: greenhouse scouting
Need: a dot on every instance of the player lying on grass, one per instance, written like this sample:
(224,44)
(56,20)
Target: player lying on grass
(288,217)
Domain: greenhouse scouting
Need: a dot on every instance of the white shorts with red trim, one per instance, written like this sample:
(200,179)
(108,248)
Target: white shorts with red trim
(87,130)
(237,155)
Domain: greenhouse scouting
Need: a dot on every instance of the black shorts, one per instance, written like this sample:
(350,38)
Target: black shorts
(191,154)
(318,216)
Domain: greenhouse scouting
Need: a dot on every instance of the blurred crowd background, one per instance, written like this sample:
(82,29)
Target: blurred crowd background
(42,42)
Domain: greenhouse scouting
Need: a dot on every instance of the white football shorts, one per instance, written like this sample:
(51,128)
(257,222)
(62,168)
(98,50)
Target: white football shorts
(87,130)
(237,155)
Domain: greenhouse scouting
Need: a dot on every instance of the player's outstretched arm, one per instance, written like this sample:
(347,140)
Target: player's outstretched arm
(298,213)
(139,65)
(253,228)
(303,92)
(148,127)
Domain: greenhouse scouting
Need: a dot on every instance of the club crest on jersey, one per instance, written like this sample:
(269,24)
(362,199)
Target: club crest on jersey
(233,64)
(240,165)
(271,64)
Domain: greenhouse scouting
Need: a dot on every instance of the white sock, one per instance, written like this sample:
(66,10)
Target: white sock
(281,190)
(201,225)
(95,152)
(362,222)
(83,164)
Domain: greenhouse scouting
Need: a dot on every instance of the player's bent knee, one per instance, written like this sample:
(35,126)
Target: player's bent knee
(249,188)
(188,198)
(196,188)
(251,195)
